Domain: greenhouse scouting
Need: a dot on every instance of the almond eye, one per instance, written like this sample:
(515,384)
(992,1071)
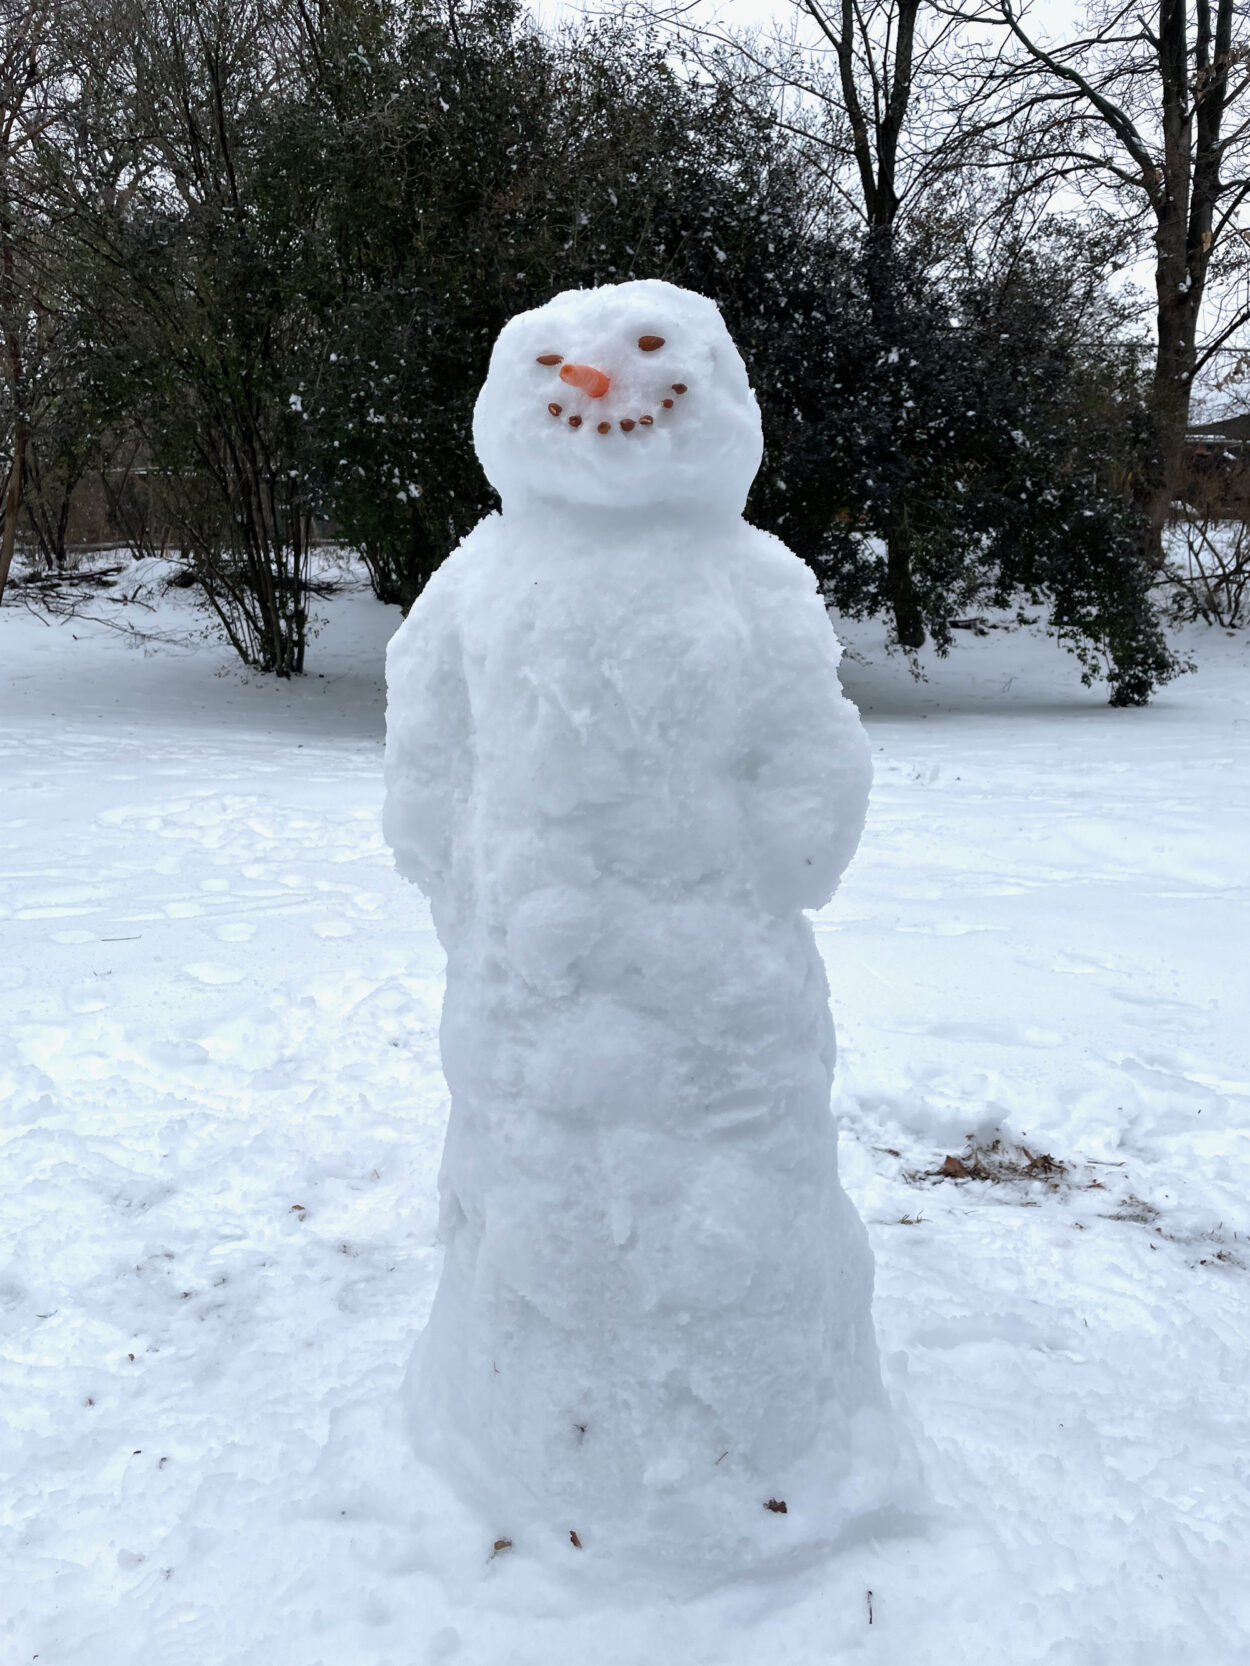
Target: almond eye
(551,358)
(650,344)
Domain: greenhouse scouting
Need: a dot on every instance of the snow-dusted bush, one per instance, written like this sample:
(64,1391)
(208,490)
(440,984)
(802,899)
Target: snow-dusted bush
(1209,570)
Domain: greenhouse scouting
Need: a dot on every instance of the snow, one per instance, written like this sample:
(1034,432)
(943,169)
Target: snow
(1043,935)
(619,763)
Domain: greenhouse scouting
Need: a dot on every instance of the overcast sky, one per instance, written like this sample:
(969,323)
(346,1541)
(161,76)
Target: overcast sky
(1051,15)
(735,11)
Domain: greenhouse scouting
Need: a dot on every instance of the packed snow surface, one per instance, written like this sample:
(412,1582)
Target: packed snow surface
(620,764)
(223,1115)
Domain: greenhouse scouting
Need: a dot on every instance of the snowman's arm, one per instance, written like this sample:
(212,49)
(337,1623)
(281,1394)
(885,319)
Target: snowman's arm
(429,749)
(806,762)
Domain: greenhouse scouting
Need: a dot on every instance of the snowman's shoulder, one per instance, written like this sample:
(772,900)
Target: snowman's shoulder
(451,591)
(766,562)
(471,563)
(776,584)
(778,593)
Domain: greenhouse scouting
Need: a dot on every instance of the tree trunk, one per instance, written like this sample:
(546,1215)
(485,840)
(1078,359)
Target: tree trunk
(17,380)
(886,304)
(1169,188)
(1185,195)
(12,502)
(62,526)
(875,138)
(901,587)
(1162,456)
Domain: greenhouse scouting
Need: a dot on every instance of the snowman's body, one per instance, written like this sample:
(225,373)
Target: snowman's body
(620,764)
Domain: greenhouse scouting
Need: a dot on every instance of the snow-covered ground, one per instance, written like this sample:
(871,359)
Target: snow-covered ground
(221,1114)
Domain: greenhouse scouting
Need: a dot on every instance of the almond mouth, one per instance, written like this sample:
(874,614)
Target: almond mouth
(625,424)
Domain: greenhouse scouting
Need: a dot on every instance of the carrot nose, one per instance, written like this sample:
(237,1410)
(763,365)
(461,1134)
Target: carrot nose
(592,382)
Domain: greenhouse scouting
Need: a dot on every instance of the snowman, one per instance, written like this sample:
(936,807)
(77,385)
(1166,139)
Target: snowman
(620,765)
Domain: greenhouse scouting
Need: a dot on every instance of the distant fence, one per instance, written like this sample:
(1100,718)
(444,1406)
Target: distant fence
(1215,476)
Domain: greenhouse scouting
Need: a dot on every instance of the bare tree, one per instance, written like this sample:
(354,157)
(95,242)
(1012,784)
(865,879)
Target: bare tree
(26,85)
(886,61)
(1143,110)
(859,84)
(863,89)
(882,59)
(172,263)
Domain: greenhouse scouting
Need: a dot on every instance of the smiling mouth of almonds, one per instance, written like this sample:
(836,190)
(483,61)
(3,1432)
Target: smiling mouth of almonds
(595,384)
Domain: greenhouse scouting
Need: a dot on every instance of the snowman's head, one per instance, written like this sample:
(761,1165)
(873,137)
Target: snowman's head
(623,397)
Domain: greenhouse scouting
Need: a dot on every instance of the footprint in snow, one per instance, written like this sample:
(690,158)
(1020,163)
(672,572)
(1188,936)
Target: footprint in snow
(235,931)
(206,971)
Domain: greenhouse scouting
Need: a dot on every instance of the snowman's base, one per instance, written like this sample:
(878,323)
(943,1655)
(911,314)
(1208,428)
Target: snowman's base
(681,1537)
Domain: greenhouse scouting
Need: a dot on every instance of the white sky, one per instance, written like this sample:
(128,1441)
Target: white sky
(728,11)
(1053,14)
(1051,17)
